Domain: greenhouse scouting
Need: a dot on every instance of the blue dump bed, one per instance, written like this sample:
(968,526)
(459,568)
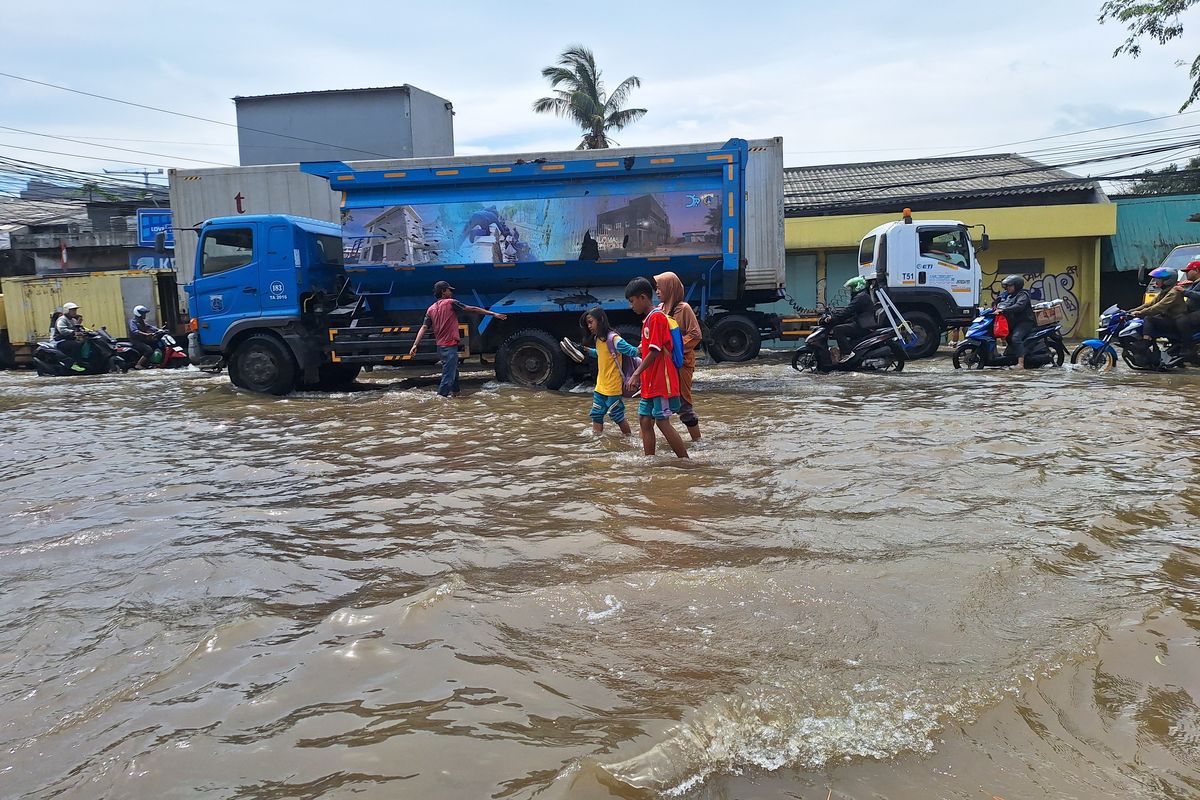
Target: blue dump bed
(551,232)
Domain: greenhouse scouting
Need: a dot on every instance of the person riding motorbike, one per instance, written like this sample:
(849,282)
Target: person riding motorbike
(852,323)
(68,332)
(1017,306)
(1188,323)
(143,337)
(1167,306)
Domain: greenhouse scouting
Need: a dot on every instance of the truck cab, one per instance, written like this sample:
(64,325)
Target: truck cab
(931,273)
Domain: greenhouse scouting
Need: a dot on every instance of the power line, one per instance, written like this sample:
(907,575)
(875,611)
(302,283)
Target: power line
(113,147)
(190,116)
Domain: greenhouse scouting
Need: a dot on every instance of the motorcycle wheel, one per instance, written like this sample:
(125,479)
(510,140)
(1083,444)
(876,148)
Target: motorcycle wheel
(898,359)
(967,356)
(1098,359)
(804,360)
(1058,353)
(117,364)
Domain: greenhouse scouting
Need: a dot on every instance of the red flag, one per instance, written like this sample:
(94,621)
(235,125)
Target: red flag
(63,252)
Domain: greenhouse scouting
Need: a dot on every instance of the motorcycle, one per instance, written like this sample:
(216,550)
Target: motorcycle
(98,356)
(1125,330)
(167,352)
(878,351)
(978,349)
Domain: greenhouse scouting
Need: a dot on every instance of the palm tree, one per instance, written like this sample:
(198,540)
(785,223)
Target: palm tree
(579,95)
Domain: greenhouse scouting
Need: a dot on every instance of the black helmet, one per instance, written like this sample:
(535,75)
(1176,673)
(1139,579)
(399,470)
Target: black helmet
(1013,280)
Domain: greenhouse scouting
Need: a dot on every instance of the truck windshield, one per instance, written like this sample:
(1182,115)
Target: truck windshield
(1180,256)
(945,245)
(328,248)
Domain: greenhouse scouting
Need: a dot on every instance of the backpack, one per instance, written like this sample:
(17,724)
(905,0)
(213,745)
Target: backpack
(627,364)
(676,338)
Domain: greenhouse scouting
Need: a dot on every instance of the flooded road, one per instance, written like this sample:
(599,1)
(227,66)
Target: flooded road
(915,586)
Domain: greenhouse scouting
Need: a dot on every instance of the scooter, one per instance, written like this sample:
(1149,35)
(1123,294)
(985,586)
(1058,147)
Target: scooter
(167,352)
(1125,330)
(878,351)
(98,356)
(978,349)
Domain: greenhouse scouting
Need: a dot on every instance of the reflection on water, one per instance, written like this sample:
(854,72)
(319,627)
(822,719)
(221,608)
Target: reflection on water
(920,585)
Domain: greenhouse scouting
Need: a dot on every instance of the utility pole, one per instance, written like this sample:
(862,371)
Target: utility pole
(145,173)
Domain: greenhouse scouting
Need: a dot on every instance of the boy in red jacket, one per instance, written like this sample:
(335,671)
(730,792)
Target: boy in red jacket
(659,380)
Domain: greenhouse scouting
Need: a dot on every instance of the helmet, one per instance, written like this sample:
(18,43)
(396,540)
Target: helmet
(69,306)
(1166,275)
(141,311)
(1013,280)
(855,284)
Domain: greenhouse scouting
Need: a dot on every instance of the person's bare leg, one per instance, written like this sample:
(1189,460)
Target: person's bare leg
(597,428)
(646,426)
(672,436)
(624,426)
(694,431)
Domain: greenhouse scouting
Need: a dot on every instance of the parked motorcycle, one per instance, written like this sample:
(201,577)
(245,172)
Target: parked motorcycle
(98,356)
(879,351)
(167,353)
(1125,330)
(979,348)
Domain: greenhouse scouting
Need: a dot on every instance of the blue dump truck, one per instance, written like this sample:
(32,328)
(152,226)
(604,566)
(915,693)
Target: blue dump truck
(287,302)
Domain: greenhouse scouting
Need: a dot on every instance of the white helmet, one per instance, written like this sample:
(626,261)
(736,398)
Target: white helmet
(141,311)
(69,306)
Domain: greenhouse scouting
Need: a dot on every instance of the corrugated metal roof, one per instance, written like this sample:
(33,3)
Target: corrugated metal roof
(15,214)
(1150,227)
(834,186)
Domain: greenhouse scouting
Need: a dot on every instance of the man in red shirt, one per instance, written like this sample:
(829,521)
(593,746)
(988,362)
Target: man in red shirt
(657,373)
(442,316)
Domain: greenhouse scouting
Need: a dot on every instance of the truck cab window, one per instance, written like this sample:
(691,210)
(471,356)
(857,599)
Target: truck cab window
(329,249)
(946,245)
(226,249)
(866,251)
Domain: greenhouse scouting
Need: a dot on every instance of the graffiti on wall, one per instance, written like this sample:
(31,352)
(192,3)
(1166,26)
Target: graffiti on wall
(1045,287)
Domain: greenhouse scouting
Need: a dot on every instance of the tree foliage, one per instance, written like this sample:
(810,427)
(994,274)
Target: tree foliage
(580,96)
(1172,179)
(1155,20)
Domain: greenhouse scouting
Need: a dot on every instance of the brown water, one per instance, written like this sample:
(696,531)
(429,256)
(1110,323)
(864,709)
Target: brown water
(208,593)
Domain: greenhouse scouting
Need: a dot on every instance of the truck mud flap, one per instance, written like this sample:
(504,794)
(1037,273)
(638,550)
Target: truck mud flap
(387,344)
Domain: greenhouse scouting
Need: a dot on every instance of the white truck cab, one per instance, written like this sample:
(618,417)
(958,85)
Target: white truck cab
(931,273)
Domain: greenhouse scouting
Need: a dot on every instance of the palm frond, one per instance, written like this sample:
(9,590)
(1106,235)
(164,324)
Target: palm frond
(618,120)
(621,93)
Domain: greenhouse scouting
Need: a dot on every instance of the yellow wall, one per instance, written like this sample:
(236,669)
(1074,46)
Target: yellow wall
(1072,274)
(1026,222)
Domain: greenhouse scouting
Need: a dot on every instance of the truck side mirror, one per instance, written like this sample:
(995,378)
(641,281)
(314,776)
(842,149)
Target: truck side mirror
(160,243)
(984,242)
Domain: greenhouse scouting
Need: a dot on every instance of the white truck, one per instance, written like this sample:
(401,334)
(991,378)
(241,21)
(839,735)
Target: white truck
(931,273)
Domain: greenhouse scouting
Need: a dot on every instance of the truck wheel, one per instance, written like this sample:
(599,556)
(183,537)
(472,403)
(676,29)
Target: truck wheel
(337,376)
(929,334)
(532,358)
(262,363)
(630,333)
(734,338)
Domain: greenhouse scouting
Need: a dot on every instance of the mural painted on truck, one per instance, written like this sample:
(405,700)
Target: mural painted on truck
(545,229)
(1046,287)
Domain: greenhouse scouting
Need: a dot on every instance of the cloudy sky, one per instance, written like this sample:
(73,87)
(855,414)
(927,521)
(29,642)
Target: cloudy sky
(841,82)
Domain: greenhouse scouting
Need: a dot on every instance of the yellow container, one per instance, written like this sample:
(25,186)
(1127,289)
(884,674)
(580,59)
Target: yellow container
(3,319)
(105,299)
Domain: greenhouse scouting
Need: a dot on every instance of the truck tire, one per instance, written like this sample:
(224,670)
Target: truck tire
(928,331)
(734,338)
(630,333)
(262,363)
(334,377)
(532,357)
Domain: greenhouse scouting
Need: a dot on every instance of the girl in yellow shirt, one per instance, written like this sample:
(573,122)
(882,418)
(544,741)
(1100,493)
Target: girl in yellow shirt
(614,356)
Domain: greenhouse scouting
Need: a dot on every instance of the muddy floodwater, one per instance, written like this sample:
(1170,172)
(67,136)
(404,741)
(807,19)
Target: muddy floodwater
(915,586)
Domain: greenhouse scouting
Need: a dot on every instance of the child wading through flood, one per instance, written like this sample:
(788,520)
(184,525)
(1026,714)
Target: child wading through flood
(610,351)
(657,373)
(670,293)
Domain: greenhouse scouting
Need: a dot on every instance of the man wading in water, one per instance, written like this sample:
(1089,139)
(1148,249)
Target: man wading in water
(442,316)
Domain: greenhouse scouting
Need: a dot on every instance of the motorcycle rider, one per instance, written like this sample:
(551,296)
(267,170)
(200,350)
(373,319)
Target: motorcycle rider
(143,336)
(852,323)
(1017,306)
(1188,323)
(68,332)
(1167,306)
